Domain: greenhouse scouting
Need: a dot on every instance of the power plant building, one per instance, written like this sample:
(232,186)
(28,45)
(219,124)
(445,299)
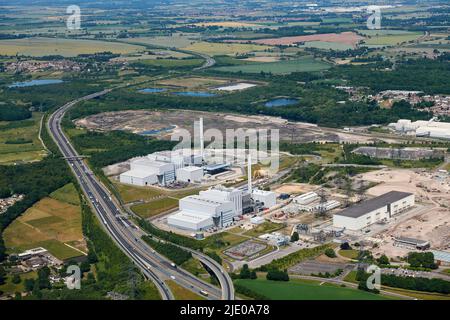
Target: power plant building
(378,209)
(198,213)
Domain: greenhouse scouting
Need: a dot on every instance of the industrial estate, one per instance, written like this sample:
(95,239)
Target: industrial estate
(254,150)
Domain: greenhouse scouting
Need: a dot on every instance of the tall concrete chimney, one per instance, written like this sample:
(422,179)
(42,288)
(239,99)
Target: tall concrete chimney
(202,138)
(249,173)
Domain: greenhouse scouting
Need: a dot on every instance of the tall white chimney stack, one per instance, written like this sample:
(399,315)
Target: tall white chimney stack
(202,139)
(249,172)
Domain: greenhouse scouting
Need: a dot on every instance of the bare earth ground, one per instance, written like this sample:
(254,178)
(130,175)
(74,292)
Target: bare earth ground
(432,223)
(142,120)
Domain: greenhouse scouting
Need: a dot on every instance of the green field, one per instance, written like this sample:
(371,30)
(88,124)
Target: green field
(147,210)
(52,224)
(68,194)
(173,63)
(305,64)
(37,47)
(27,130)
(390,40)
(218,49)
(327,45)
(11,288)
(351,254)
(305,290)
(176,40)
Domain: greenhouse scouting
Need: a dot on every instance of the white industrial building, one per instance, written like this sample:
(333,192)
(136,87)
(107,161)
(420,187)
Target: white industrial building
(144,171)
(375,210)
(306,198)
(432,129)
(138,178)
(189,174)
(226,194)
(199,213)
(267,198)
(217,206)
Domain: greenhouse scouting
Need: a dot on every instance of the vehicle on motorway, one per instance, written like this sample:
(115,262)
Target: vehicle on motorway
(204,293)
(173,265)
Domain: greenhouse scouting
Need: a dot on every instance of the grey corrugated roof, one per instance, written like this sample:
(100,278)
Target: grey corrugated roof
(373,204)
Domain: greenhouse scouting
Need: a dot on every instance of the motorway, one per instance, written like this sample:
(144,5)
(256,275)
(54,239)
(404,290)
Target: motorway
(127,235)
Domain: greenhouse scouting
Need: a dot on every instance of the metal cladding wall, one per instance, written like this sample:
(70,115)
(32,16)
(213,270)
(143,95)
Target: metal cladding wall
(384,212)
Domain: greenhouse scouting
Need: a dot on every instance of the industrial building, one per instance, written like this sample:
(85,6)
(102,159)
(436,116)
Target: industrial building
(144,171)
(432,129)
(442,258)
(375,210)
(268,199)
(306,198)
(200,213)
(411,243)
(189,174)
(219,206)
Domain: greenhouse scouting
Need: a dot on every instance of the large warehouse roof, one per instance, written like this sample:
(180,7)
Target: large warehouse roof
(365,207)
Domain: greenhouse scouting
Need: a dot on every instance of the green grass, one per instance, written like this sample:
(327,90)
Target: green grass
(305,290)
(173,63)
(65,47)
(147,210)
(68,194)
(132,193)
(265,227)
(351,254)
(58,249)
(305,64)
(181,293)
(390,40)
(194,266)
(27,130)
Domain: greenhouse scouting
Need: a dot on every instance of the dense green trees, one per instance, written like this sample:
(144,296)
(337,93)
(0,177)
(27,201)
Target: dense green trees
(330,253)
(246,273)
(421,260)
(116,146)
(295,237)
(277,275)
(11,112)
(170,251)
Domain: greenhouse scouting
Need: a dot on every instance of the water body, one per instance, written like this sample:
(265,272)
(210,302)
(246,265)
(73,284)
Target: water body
(195,94)
(152,132)
(281,102)
(152,90)
(33,83)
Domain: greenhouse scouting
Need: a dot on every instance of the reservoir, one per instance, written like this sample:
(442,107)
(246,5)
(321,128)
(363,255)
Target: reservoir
(152,90)
(32,83)
(281,102)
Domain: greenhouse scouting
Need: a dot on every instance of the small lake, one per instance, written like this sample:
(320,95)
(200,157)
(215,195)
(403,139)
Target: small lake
(156,131)
(152,90)
(33,83)
(281,102)
(195,94)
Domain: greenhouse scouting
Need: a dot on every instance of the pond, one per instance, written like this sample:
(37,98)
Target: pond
(157,131)
(32,83)
(195,94)
(281,102)
(152,90)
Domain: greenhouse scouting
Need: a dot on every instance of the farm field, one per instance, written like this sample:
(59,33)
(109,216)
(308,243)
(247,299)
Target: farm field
(392,39)
(192,82)
(50,223)
(229,24)
(176,40)
(349,38)
(173,63)
(327,45)
(306,64)
(26,130)
(305,290)
(150,209)
(216,49)
(65,47)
